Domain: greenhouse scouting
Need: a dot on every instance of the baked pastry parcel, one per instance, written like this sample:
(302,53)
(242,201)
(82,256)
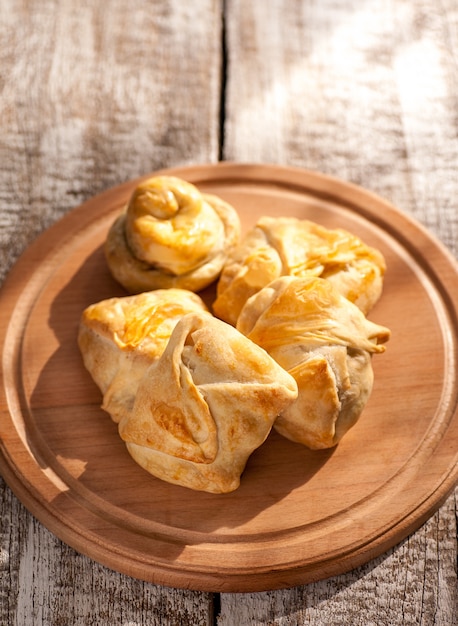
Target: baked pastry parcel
(205,406)
(287,246)
(170,235)
(325,342)
(120,338)
(192,396)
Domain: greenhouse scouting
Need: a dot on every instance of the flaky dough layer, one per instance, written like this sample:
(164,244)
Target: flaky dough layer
(287,246)
(325,342)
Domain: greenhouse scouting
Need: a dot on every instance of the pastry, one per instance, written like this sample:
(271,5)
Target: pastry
(170,235)
(325,342)
(120,338)
(205,406)
(287,246)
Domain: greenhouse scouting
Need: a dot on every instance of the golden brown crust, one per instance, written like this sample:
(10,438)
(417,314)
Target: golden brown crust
(325,342)
(194,396)
(205,406)
(170,235)
(287,246)
(120,338)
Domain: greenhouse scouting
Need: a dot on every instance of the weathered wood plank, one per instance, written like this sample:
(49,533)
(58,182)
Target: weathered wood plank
(415,583)
(94,94)
(367,92)
(52,584)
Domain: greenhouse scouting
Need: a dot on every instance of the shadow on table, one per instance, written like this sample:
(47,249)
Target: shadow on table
(80,443)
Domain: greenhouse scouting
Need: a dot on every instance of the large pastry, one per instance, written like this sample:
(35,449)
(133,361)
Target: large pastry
(170,235)
(325,342)
(287,246)
(120,338)
(205,406)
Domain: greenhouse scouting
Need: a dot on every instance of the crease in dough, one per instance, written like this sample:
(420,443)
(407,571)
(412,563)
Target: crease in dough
(205,406)
(170,235)
(325,342)
(119,338)
(288,246)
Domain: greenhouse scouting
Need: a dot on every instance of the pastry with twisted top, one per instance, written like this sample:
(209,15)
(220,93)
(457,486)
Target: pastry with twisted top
(325,342)
(287,246)
(170,235)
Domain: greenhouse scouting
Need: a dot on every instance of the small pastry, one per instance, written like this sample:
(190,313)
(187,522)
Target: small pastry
(287,246)
(205,406)
(120,338)
(325,342)
(170,235)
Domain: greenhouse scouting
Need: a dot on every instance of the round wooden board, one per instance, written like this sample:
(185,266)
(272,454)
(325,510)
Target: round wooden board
(298,515)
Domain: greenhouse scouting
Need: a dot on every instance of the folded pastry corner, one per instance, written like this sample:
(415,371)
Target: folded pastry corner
(170,235)
(119,338)
(325,342)
(205,406)
(288,246)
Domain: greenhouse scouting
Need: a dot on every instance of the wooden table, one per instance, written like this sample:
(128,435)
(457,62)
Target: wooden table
(95,94)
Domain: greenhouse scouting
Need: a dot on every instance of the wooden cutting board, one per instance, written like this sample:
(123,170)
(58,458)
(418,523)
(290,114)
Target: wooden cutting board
(299,515)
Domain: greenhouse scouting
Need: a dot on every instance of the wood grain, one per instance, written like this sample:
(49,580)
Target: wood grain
(365,91)
(62,456)
(95,95)
(92,96)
